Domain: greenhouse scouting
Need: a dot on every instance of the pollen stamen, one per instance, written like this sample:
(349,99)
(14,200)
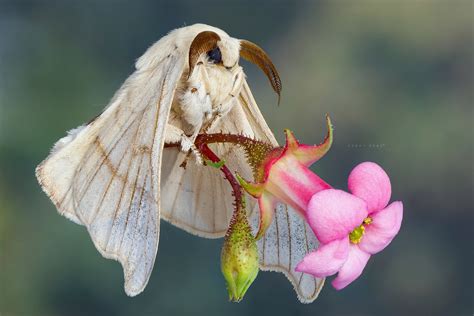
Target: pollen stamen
(356,235)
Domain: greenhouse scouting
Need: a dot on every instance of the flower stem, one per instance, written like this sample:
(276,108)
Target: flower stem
(255,150)
(239,255)
(236,188)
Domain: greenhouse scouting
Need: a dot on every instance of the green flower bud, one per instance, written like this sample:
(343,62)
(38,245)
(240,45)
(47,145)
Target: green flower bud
(239,257)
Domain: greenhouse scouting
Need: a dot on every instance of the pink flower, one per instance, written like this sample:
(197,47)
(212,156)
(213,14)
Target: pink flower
(351,227)
(285,177)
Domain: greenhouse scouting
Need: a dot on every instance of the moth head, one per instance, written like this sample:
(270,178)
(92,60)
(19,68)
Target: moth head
(224,50)
(220,50)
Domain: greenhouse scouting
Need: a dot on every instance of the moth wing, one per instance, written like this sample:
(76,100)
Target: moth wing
(106,175)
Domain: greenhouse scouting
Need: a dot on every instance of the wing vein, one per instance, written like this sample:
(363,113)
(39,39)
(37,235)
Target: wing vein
(213,185)
(197,198)
(105,157)
(289,238)
(125,180)
(180,183)
(263,248)
(97,210)
(278,238)
(132,196)
(136,230)
(307,250)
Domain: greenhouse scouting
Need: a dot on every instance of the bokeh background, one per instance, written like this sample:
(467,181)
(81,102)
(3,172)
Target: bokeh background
(396,77)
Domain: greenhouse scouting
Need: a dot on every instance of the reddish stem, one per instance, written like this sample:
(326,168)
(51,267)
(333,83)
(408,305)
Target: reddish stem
(205,150)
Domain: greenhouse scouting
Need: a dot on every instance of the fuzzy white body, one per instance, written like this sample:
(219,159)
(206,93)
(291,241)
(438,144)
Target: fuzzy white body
(207,94)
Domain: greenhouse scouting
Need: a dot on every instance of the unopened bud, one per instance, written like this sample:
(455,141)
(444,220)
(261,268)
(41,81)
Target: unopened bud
(239,257)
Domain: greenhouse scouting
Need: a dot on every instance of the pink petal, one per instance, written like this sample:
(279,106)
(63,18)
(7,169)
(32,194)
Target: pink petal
(326,260)
(333,214)
(370,182)
(352,268)
(384,227)
(309,154)
(266,203)
(293,183)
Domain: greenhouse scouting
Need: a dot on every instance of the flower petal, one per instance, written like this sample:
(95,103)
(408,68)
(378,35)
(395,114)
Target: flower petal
(293,183)
(309,154)
(352,268)
(370,182)
(384,227)
(326,260)
(266,204)
(333,214)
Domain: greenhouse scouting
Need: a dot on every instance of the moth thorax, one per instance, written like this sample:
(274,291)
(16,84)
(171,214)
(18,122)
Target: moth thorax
(208,93)
(221,83)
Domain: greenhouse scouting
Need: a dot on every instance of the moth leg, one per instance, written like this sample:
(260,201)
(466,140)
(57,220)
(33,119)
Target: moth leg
(204,76)
(195,101)
(175,135)
(227,103)
(207,88)
(197,107)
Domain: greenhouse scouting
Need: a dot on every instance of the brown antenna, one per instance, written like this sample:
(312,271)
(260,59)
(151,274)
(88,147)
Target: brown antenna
(254,54)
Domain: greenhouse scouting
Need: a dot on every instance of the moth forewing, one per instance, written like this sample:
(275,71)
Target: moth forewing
(107,176)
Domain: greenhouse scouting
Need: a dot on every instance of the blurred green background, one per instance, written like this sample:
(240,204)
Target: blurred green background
(395,76)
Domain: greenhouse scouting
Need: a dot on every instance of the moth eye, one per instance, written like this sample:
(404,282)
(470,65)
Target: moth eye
(215,55)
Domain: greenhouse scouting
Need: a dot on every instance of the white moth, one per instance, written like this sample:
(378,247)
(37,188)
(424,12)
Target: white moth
(115,177)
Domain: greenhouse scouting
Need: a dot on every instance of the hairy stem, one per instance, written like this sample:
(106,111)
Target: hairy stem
(255,150)
(236,188)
